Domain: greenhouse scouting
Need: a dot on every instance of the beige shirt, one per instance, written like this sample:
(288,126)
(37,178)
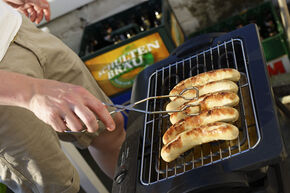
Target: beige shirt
(10,22)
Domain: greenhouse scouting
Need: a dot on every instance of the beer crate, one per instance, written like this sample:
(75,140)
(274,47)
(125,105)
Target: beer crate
(3,188)
(117,48)
(272,34)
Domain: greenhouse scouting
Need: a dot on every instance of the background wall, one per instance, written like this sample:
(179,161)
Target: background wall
(69,27)
(192,14)
(61,7)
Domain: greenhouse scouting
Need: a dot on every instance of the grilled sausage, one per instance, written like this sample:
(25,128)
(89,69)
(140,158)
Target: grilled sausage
(224,114)
(212,87)
(196,136)
(206,77)
(207,102)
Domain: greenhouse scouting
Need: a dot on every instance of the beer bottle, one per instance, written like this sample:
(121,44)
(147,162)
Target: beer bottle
(270,25)
(145,24)
(157,15)
(106,36)
(116,39)
(130,33)
(157,20)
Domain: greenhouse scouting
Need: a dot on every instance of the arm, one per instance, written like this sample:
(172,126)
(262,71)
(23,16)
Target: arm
(61,105)
(34,9)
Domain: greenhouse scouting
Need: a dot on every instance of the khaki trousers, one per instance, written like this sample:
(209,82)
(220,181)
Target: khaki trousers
(31,159)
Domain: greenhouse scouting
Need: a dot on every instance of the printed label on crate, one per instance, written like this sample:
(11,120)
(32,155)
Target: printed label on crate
(279,65)
(176,32)
(116,70)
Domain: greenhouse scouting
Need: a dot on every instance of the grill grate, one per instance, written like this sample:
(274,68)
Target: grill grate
(229,54)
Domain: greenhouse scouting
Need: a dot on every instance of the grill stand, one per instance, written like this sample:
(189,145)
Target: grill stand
(257,161)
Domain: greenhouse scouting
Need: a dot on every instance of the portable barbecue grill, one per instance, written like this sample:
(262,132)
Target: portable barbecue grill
(222,165)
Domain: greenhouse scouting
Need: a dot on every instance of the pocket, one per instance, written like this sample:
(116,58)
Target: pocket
(21,58)
(33,48)
(26,37)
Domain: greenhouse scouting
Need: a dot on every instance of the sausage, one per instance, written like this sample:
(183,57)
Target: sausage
(212,87)
(207,102)
(206,77)
(224,114)
(196,136)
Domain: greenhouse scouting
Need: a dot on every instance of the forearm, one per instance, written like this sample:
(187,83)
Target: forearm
(15,89)
(61,105)
(106,147)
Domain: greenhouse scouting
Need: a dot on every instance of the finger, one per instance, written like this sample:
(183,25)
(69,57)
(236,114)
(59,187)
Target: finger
(39,17)
(24,11)
(47,13)
(40,11)
(58,124)
(72,121)
(87,117)
(103,114)
(45,7)
(32,14)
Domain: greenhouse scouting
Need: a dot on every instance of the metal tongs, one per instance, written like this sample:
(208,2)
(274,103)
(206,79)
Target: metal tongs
(130,107)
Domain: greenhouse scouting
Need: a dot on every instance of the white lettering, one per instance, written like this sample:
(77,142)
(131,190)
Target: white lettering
(156,45)
(127,66)
(142,50)
(111,74)
(118,61)
(124,57)
(103,70)
(132,53)
(118,70)
(137,61)
(129,60)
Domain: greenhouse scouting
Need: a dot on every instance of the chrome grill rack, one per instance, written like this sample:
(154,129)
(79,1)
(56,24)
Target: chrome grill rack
(229,54)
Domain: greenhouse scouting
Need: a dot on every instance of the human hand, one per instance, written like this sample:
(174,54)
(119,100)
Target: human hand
(34,9)
(65,106)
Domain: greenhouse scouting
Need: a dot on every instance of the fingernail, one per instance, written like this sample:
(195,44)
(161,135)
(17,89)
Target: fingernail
(111,128)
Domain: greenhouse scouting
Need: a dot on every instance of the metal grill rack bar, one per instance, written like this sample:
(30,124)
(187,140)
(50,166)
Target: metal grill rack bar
(229,54)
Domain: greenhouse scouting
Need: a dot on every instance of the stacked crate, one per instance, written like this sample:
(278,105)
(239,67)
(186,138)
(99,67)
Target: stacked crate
(272,34)
(117,48)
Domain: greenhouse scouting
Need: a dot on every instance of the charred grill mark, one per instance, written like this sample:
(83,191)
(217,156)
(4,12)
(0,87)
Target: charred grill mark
(194,132)
(175,144)
(203,78)
(227,114)
(210,112)
(213,129)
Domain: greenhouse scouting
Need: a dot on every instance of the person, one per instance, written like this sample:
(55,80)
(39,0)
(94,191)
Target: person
(46,90)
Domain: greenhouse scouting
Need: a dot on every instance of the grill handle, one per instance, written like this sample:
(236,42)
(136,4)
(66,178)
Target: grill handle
(195,44)
(212,182)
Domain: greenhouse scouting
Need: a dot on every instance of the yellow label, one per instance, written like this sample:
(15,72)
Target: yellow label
(116,70)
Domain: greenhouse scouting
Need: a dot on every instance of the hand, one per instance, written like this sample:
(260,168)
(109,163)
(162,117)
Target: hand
(34,9)
(66,106)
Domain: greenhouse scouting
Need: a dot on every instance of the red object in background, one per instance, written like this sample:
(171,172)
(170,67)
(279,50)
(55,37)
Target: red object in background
(278,68)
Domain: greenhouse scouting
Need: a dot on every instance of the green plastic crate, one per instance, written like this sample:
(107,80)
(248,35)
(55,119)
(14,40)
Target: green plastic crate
(167,35)
(274,46)
(2,188)
(165,28)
